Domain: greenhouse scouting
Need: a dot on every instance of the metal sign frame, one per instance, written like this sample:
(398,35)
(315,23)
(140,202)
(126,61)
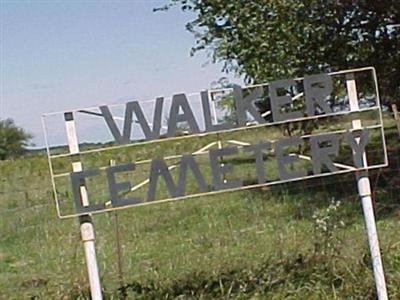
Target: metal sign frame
(363,183)
(71,132)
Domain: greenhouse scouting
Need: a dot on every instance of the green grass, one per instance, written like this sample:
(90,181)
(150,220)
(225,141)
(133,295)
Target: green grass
(256,244)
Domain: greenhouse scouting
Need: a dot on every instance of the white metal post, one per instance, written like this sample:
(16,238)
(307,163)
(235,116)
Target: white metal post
(364,190)
(86,225)
(396,117)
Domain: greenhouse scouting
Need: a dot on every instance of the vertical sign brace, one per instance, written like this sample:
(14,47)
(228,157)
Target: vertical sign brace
(85,222)
(364,190)
(118,240)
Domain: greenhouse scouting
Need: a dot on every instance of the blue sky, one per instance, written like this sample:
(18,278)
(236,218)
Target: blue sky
(59,55)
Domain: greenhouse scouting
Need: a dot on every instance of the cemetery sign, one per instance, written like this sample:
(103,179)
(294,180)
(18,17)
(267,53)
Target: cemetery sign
(250,149)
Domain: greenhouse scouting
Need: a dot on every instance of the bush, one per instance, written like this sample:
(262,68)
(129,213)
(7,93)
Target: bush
(13,139)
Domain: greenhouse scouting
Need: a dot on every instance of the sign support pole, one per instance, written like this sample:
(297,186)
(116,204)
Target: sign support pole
(364,190)
(85,222)
(396,117)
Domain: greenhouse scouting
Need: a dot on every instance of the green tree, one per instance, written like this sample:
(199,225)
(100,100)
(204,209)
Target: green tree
(268,39)
(13,139)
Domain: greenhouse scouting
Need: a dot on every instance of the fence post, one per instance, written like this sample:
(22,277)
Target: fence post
(364,190)
(85,222)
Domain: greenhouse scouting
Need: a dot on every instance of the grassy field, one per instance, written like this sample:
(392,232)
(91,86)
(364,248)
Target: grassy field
(304,240)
